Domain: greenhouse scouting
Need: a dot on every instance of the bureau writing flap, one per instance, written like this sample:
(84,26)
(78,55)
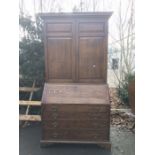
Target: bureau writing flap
(75,93)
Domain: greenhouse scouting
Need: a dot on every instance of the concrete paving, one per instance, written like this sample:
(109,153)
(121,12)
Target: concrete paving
(122,144)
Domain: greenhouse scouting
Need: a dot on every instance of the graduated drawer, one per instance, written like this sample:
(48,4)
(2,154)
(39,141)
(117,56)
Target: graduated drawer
(71,115)
(87,135)
(75,124)
(76,107)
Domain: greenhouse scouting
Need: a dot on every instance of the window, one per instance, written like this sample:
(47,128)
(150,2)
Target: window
(115,63)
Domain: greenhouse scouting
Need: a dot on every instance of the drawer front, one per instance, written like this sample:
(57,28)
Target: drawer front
(75,108)
(76,124)
(75,116)
(87,135)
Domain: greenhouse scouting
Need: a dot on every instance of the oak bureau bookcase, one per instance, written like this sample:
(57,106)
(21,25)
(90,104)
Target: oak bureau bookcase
(75,101)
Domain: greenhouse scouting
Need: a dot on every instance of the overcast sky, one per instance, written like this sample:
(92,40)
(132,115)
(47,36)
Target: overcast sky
(31,7)
(67,5)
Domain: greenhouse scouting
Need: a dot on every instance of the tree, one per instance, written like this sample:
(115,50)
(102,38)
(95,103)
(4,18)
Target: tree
(83,6)
(31,55)
(125,46)
(94,5)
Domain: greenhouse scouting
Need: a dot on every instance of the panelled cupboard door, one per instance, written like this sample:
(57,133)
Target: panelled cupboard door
(91,46)
(59,54)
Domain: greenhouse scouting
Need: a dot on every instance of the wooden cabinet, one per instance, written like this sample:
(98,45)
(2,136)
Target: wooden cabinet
(76,47)
(75,101)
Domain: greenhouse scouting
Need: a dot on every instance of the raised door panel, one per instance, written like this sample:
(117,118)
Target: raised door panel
(91,54)
(59,58)
(91,28)
(59,27)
